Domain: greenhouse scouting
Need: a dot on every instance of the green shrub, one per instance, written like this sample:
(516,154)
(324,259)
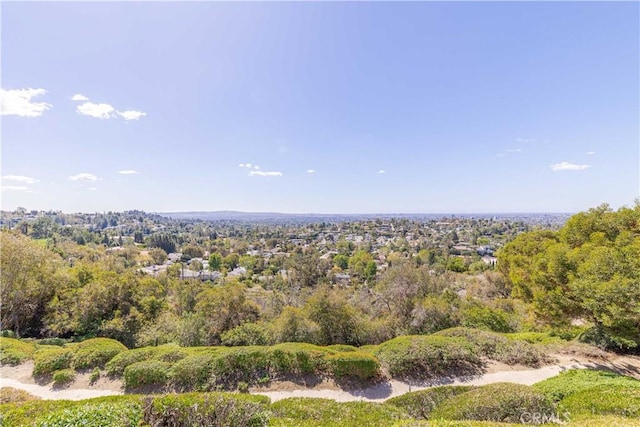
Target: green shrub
(96,352)
(245,334)
(499,402)
(363,366)
(148,372)
(193,372)
(485,342)
(520,353)
(112,414)
(14,352)
(603,400)
(419,404)
(119,362)
(206,409)
(108,411)
(498,347)
(577,380)
(63,376)
(611,338)
(427,356)
(298,358)
(48,360)
(300,411)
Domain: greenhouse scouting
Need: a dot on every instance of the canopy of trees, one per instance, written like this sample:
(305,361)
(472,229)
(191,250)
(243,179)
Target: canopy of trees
(589,270)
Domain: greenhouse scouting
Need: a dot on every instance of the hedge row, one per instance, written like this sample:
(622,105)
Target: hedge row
(607,401)
(206,368)
(87,354)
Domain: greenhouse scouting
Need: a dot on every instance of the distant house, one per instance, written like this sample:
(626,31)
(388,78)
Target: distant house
(485,250)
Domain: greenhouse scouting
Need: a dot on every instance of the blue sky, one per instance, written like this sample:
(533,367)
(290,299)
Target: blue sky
(328,108)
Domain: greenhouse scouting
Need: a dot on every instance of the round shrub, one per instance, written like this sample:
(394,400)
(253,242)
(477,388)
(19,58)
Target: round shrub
(96,352)
(119,362)
(427,356)
(363,366)
(419,404)
(193,372)
(604,399)
(499,402)
(14,352)
(48,360)
(576,380)
(149,372)
(63,376)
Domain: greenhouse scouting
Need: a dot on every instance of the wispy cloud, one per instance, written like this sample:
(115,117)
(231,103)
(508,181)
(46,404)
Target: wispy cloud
(249,166)
(264,173)
(128,172)
(131,114)
(20,178)
(381,171)
(514,150)
(311,171)
(525,139)
(84,177)
(590,153)
(14,188)
(103,110)
(17,102)
(566,166)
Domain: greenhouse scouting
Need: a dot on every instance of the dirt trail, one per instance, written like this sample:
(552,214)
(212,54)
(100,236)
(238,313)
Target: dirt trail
(19,377)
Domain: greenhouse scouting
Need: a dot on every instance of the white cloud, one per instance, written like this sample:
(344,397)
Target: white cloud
(131,114)
(103,110)
(99,111)
(128,172)
(262,173)
(590,153)
(20,178)
(514,150)
(256,167)
(311,171)
(525,139)
(381,171)
(85,177)
(14,188)
(566,166)
(17,102)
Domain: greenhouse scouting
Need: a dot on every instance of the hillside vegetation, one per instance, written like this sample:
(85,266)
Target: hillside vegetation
(584,402)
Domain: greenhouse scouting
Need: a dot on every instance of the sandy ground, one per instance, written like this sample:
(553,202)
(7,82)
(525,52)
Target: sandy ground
(19,377)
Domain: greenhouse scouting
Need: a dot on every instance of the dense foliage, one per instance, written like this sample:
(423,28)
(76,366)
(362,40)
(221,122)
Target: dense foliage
(589,271)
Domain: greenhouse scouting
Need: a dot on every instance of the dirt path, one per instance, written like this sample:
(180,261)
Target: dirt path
(19,377)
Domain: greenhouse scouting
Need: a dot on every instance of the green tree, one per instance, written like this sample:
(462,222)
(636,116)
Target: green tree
(215,261)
